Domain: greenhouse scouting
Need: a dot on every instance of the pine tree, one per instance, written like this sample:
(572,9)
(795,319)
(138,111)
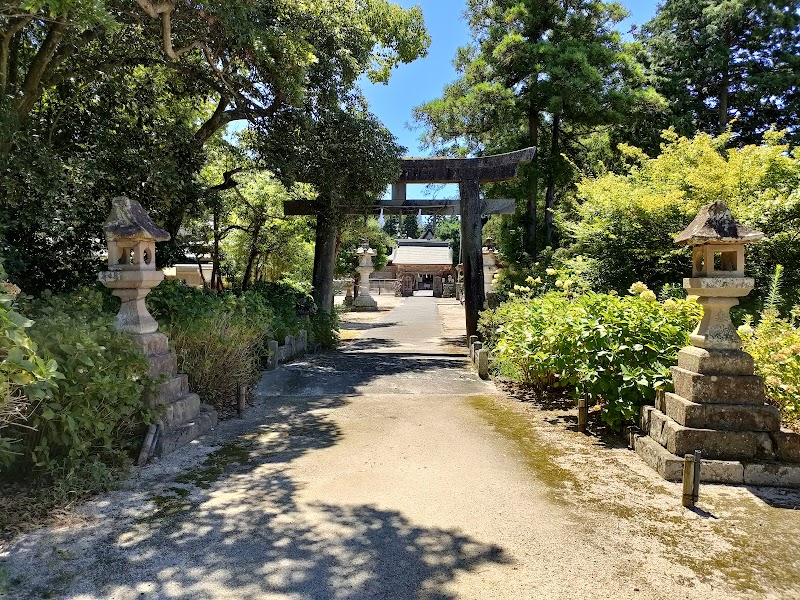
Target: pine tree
(720,60)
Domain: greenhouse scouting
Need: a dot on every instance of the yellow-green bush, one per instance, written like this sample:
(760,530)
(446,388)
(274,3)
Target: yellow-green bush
(775,346)
(626,223)
(612,350)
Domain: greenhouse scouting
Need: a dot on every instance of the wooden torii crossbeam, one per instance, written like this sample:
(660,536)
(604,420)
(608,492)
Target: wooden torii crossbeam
(425,206)
(468,173)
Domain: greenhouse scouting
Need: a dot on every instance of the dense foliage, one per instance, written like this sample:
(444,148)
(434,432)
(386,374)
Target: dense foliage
(774,344)
(94,417)
(612,350)
(740,57)
(625,223)
(221,338)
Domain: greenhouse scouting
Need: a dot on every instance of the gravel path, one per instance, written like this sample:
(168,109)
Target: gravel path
(384,470)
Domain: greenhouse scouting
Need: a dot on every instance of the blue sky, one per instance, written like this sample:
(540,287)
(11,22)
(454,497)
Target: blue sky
(423,80)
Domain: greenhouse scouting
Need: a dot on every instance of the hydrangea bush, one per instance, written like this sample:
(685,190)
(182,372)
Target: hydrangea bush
(613,350)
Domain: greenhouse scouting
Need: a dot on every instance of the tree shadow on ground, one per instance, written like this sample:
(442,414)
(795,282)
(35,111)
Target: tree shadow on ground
(361,326)
(777,497)
(234,527)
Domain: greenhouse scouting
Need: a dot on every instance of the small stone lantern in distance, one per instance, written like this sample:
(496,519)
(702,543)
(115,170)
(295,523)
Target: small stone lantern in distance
(717,273)
(364,301)
(131,236)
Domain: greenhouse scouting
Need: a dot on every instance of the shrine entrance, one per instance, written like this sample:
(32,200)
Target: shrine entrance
(468,173)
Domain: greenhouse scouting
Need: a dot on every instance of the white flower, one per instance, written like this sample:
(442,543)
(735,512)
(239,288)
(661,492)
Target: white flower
(648,295)
(637,288)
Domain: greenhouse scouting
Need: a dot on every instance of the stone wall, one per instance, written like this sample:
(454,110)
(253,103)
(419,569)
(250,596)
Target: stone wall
(292,346)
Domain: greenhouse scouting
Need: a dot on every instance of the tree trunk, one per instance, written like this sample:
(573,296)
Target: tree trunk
(533,199)
(723,98)
(324,259)
(251,259)
(216,277)
(550,196)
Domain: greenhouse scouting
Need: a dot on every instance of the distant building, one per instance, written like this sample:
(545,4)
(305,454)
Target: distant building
(188,274)
(423,264)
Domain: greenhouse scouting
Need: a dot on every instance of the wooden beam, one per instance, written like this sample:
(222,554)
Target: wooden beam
(429,206)
(484,169)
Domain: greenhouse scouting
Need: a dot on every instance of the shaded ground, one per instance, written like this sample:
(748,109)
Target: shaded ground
(389,470)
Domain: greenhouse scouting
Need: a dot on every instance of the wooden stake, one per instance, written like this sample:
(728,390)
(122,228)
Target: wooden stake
(241,404)
(583,414)
(691,479)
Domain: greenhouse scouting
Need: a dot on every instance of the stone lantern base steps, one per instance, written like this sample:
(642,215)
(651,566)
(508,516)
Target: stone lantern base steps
(718,407)
(184,417)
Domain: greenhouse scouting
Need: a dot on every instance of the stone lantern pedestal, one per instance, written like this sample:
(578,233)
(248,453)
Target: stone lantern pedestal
(131,236)
(718,406)
(364,301)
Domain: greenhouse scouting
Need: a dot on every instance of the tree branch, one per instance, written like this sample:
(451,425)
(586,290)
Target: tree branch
(5,48)
(31,85)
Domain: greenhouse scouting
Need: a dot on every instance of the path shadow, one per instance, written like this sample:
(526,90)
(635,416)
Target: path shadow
(242,533)
(777,497)
(361,326)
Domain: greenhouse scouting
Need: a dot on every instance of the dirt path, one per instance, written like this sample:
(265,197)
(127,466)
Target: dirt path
(389,470)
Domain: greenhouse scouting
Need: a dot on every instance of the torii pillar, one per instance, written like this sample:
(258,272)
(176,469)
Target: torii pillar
(468,173)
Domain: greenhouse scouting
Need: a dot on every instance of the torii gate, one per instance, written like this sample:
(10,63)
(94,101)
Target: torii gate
(468,173)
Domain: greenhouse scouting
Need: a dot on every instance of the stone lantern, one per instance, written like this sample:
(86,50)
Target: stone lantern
(363,301)
(491,266)
(718,406)
(131,236)
(717,279)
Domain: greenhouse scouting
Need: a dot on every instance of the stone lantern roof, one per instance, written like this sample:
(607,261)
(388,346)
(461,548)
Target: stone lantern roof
(129,221)
(714,224)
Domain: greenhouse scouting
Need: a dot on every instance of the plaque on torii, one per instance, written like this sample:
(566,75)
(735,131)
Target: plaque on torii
(468,173)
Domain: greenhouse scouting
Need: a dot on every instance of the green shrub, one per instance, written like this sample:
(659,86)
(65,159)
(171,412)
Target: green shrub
(26,379)
(611,350)
(217,352)
(627,222)
(95,417)
(775,346)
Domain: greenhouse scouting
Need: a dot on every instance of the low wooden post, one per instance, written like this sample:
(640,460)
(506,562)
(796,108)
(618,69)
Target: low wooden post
(691,479)
(583,414)
(272,361)
(241,399)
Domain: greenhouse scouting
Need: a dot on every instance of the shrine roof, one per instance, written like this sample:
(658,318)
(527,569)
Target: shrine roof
(422,252)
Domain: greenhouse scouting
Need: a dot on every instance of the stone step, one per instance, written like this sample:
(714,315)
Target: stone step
(180,411)
(715,444)
(715,362)
(163,364)
(670,467)
(150,343)
(723,417)
(787,445)
(718,389)
(204,422)
(169,390)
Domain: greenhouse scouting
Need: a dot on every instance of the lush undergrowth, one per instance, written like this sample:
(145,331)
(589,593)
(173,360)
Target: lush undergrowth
(774,344)
(612,350)
(221,338)
(71,386)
